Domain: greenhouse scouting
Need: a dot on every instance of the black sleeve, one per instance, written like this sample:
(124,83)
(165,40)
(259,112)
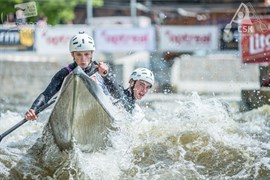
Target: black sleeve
(113,87)
(119,93)
(51,89)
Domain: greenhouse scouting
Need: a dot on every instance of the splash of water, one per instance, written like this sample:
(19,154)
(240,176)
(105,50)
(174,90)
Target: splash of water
(199,138)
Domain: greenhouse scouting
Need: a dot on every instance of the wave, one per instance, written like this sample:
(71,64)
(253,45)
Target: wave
(195,138)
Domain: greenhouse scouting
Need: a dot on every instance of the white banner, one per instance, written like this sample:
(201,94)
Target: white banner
(188,38)
(125,39)
(55,39)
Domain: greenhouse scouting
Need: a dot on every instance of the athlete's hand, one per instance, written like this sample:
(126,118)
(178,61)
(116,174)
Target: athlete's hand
(30,115)
(102,68)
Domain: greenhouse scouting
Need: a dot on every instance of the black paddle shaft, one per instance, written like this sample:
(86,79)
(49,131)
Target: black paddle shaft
(24,120)
(96,63)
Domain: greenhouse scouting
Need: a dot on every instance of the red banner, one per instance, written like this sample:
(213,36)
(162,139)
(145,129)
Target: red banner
(255,40)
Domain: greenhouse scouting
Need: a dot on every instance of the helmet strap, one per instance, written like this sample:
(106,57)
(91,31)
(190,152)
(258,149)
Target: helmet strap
(75,61)
(132,89)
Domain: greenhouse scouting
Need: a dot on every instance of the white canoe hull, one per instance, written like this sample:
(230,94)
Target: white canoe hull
(82,114)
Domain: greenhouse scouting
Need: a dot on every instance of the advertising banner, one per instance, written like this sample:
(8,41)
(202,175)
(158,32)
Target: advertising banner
(188,38)
(125,39)
(55,39)
(16,39)
(255,40)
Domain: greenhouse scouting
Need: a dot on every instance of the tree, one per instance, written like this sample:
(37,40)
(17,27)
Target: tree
(56,11)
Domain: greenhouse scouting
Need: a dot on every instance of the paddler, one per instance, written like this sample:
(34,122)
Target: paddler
(140,82)
(81,47)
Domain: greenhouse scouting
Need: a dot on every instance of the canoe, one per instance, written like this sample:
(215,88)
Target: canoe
(82,115)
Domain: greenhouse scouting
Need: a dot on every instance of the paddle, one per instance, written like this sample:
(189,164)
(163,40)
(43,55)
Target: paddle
(96,63)
(24,120)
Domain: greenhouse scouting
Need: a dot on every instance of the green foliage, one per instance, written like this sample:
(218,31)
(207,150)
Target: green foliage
(7,7)
(57,11)
(98,3)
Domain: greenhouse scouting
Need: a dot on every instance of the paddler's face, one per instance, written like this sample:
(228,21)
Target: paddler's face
(140,88)
(82,58)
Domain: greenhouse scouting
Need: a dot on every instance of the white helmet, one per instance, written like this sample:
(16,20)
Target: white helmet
(143,74)
(81,42)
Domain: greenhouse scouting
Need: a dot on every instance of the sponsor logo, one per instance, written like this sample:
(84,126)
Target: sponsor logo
(246,19)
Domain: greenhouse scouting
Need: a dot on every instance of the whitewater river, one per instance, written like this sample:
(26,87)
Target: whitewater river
(194,137)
